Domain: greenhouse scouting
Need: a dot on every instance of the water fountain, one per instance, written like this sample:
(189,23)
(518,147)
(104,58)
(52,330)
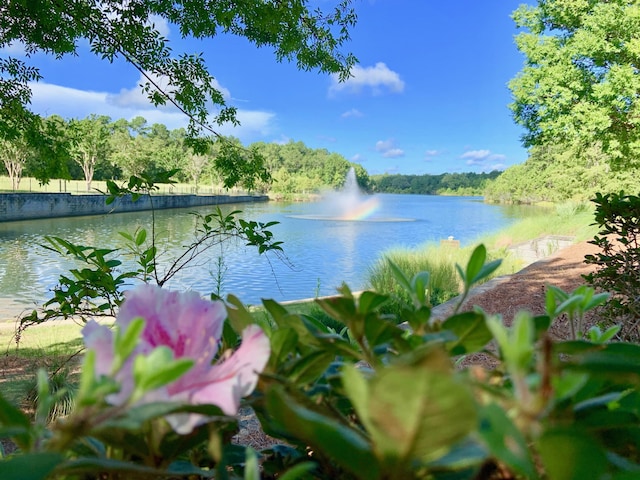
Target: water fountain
(350,204)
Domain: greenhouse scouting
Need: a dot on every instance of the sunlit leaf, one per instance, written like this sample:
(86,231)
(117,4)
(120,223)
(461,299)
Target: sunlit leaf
(505,441)
(345,446)
(471,331)
(34,466)
(571,455)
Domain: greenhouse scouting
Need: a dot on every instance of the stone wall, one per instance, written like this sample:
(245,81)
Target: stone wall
(26,206)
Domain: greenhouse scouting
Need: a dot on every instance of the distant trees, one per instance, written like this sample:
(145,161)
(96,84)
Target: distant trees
(469,183)
(14,157)
(98,148)
(296,168)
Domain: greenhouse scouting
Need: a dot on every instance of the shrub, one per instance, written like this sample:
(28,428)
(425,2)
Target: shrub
(618,264)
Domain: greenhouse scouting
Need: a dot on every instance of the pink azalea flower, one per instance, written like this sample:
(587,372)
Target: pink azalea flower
(191,327)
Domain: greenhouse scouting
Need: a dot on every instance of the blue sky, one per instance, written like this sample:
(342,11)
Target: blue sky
(428,96)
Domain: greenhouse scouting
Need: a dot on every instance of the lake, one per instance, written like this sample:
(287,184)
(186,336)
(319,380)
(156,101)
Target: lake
(322,249)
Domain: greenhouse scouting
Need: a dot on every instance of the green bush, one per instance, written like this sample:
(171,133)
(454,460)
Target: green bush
(618,262)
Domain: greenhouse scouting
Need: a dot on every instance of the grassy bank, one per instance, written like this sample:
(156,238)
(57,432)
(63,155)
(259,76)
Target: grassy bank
(568,219)
(52,346)
(28,184)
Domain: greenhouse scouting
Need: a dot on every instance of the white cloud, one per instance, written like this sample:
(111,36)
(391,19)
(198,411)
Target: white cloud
(482,158)
(16,48)
(353,113)
(358,158)
(135,97)
(160,24)
(282,140)
(388,149)
(49,99)
(496,166)
(376,79)
(476,155)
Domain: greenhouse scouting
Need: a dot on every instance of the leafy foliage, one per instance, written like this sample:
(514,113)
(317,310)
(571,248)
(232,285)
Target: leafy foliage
(557,173)
(618,216)
(469,183)
(313,38)
(376,399)
(579,81)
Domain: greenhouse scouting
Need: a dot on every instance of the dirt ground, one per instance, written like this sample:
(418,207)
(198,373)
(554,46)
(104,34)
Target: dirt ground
(526,289)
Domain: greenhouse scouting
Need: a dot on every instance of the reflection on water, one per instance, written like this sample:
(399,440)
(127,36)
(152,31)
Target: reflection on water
(321,253)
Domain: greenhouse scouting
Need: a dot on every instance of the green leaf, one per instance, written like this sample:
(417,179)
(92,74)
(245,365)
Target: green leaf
(505,441)
(10,416)
(541,324)
(251,468)
(569,454)
(345,446)
(415,411)
(310,367)
(465,455)
(34,466)
(378,331)
(486,270)
(568,383)
(157,369)
(133,418)
(612,359)
(124,469)
(419,286)
(475,263)
(283,344)
(301,470)
(371,301)
(15,423)
(126,236)
(141,237)
(357,389)
(471,331)
(238,315)
(125,342)
(400,277)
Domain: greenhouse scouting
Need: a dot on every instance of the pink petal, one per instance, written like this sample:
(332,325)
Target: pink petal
(100,339)
(236,377)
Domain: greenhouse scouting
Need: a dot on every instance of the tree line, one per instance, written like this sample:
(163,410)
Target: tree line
(97,148)
(469,183)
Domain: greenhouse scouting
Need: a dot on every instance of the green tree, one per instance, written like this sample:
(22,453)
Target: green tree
(89,144)
(14,155)
(580,80)
(312,37)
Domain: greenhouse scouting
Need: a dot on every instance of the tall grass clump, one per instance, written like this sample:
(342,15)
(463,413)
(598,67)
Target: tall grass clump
(438,260)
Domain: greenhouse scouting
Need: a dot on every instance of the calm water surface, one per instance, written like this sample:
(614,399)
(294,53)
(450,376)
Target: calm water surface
(321,251)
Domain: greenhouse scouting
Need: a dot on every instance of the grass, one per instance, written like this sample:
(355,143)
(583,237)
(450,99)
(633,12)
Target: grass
(28,184)
(571,219)
(48,346)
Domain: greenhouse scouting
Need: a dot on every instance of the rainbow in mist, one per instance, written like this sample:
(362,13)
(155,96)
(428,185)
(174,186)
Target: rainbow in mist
(362,210)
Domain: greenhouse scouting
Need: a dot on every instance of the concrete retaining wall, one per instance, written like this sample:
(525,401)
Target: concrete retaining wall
(27,206)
